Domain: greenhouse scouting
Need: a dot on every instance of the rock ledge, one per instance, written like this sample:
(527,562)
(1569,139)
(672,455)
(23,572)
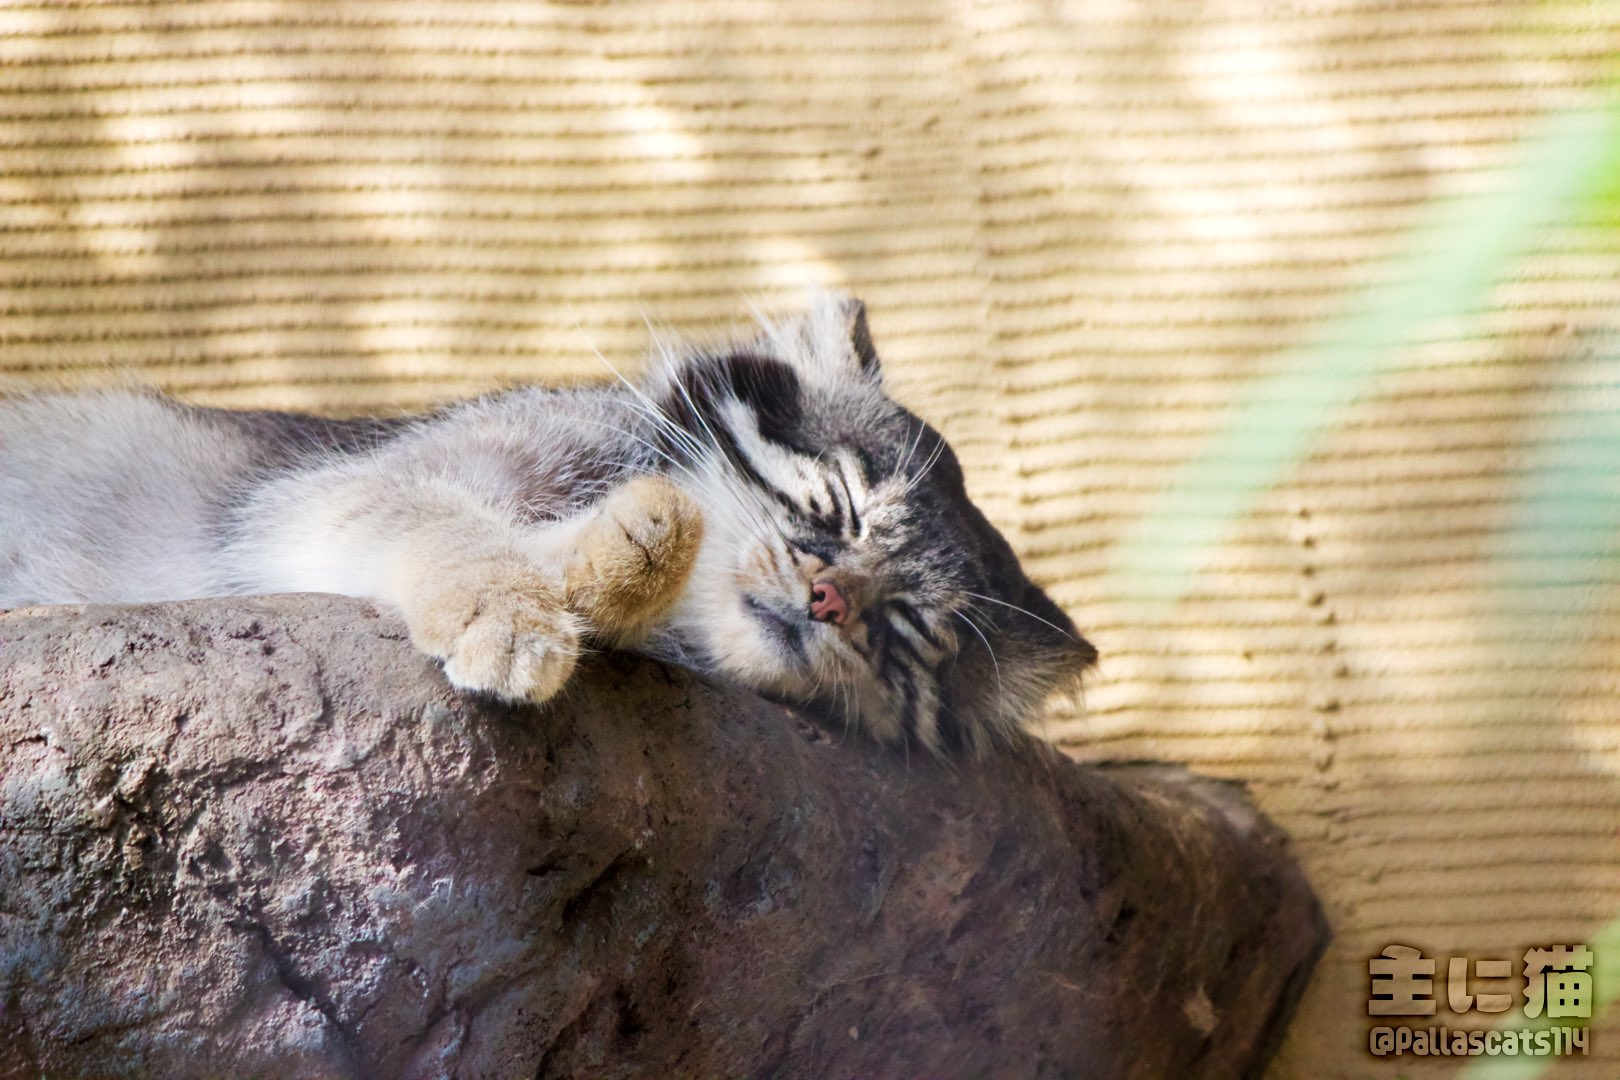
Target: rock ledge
(263,837)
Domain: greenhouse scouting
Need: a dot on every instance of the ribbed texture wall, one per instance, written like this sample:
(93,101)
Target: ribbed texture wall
(1081,227)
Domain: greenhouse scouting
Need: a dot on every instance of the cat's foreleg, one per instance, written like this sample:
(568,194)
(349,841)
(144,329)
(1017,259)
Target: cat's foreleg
(625,561)
(452,560)
(505,605)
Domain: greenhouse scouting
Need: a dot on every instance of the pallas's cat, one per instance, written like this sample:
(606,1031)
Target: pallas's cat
(761,511)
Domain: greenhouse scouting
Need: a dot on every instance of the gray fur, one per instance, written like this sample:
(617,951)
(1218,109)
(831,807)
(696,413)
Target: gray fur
(801,463)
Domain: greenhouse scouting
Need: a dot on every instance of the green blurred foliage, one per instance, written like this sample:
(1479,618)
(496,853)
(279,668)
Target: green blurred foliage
(1569,174)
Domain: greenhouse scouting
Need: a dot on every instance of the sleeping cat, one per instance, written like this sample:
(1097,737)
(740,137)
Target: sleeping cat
(762,512)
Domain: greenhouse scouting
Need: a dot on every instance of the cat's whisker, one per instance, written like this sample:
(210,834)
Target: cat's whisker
(994,663)
(654,448)
(761,511)
(663,423)
(673,373)
(655,414)
(753,517)
(928,467)
(714,438)
(674,463)
(1020,610)
(846,691)
(912,450)
(652,331)
(767,325)
(697,481)
(837,699)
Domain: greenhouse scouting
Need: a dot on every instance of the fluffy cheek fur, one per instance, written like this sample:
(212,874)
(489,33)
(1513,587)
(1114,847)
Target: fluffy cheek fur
(737,571)
(712,616)
(713,619)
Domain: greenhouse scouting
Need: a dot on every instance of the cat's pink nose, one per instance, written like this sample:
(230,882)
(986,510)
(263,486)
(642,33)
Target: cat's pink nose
(827,604)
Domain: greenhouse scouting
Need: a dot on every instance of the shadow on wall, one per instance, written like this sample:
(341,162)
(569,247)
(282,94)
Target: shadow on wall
(310,208)
(1084,232)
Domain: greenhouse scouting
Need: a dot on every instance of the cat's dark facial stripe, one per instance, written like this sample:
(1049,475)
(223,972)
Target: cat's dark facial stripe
(949,729)
(890,663)
(908,703)
(824,549)
(696,412)
(855,528)
(915,620)
(772,391)
(867,462)
(772,394)
(826,514)
(902,646)
(854,480)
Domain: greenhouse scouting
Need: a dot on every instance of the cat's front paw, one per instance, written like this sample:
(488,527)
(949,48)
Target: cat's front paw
(632,559)
(499,627)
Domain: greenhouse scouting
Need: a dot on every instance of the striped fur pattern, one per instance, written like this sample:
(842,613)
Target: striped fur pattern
(691,516)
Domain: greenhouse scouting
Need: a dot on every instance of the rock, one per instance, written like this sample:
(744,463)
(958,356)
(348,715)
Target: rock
(263,837)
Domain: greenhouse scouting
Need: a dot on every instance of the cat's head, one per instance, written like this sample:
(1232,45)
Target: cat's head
(842,562)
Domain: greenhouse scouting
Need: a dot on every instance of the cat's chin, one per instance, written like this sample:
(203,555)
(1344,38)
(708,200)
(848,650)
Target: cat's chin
(672,645)
(784,630)
(669,647)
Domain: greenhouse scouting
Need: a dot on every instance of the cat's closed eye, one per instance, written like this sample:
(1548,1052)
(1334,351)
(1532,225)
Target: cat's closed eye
(822,548)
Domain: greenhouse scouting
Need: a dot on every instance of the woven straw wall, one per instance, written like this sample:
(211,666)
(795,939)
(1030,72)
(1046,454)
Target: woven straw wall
(1081,227)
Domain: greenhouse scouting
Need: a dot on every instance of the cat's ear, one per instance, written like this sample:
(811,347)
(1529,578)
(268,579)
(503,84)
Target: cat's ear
(990,693)
(831,339)
(860,338)
(1055,632)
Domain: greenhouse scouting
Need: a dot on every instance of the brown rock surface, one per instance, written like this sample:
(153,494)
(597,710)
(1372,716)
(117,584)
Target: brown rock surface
(263,837)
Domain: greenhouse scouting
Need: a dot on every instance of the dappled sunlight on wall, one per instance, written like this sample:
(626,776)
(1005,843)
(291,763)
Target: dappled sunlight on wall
(1088,234)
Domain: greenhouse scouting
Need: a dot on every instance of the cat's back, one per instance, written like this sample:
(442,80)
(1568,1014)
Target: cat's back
(128,496)
(91,485)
